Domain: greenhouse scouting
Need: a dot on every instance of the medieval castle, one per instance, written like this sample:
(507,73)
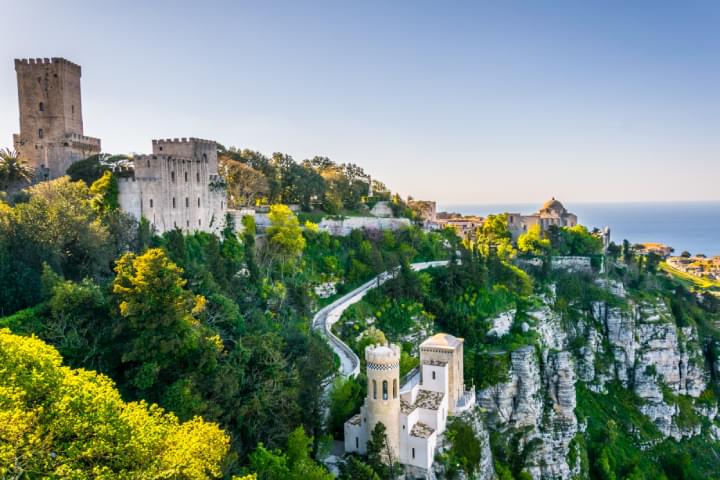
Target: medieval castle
(51,125)
(177,186)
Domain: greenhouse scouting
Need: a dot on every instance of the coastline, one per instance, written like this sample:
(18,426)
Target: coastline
(691,226)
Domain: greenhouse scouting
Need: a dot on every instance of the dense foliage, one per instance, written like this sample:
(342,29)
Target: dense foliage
(56,422)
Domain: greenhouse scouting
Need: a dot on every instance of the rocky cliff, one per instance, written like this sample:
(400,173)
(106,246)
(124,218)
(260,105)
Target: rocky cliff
(634,343)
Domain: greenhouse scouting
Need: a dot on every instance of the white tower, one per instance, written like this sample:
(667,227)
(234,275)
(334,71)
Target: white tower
(383,399)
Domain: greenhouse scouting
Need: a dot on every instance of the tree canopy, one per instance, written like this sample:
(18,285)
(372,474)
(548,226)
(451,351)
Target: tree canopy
(65,423)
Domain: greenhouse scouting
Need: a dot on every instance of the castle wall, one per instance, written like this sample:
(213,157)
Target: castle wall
(345,226)
(176,192)
(51,124)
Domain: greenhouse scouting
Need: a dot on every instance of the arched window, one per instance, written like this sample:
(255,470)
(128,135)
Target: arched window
(186,176)
(197,175)
(187,223)
(413,452)
(199,222)
(173,202)
(357,442)
(41,107)
(385,390)
(205,157)
(198,201)
(433,374)
(148,163)
(40,133)
(172,175)
(151,203)
(187,202)
(395,388)
(374,390)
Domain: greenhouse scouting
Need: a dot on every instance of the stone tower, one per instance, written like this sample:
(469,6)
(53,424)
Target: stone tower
(51,125)
(383,399)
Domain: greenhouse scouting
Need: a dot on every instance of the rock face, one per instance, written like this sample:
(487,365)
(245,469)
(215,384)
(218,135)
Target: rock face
(540,401)
(518,401)
(650,353)
(637,344)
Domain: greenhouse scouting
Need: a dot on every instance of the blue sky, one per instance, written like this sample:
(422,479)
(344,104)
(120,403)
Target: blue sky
(454,101)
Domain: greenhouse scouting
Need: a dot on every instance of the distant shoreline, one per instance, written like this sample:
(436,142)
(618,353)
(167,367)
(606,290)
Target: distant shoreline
(691,226)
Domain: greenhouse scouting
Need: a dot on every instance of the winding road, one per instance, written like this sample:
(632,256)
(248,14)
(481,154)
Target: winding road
(328,316)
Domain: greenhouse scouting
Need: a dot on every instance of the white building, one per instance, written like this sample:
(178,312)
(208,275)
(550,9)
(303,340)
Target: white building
(414,415)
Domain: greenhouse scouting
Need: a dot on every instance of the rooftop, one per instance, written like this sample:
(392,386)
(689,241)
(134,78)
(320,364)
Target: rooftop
(421,430)
(406,408)
(429,400)
(442,340)
(355,420)
(553,204)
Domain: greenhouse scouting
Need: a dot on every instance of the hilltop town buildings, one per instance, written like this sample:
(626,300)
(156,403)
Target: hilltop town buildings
(51,134)
(414,414)
(552,213)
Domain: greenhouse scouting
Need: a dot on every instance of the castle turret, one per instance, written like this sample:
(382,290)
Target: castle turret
(383,399)
(51,124)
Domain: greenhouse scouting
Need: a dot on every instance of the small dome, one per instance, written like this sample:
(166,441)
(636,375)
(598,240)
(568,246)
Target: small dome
(554,205)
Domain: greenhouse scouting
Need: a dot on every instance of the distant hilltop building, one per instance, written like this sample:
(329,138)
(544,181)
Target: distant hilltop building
(552,213)
(464,225)
(415,414)
(177,186)
(51,134)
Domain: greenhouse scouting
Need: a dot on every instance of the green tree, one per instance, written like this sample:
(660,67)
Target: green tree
(245,185)
(380,455)
(105,193)
(296,464)
(62,423)
(494,237)
(354,469)
(346,396)
(57,226)
(533,242)
(158,317)
(285,234)
(465,448)
(13,169)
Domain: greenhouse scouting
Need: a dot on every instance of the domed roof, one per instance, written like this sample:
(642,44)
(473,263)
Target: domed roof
(442,340)
(553,204)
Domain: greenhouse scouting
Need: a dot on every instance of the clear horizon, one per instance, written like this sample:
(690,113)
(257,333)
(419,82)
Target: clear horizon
(460,103)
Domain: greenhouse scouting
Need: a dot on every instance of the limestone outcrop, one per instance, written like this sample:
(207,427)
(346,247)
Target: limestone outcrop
(637,344)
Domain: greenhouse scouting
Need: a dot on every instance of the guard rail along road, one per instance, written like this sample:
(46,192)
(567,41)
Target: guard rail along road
(328,316)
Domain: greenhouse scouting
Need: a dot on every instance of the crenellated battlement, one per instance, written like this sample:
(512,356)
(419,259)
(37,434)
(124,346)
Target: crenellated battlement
(388,355)
(183,140)
(46,61)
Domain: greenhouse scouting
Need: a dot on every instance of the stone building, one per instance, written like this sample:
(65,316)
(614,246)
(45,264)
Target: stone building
(177,186)
(552,213)
(414,414)
(51,125)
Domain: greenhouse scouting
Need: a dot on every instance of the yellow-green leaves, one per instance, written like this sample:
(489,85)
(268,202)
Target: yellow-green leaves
(65,423)
(284,233)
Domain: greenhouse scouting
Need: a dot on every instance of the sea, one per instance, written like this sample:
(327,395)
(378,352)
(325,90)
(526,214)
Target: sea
(691,226)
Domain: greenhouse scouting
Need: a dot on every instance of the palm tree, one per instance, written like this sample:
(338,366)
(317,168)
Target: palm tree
(13,168)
